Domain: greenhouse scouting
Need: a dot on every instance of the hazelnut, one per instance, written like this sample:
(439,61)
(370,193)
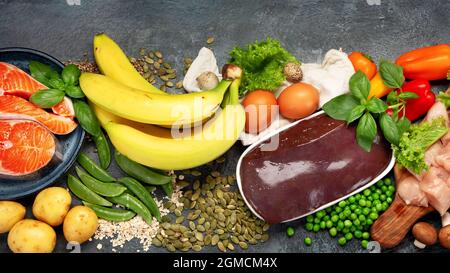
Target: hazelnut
(231,72)
(444,237)
(425,234)
(293,72)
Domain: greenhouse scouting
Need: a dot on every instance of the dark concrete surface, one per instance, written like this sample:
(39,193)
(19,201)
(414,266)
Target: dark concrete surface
(307,28)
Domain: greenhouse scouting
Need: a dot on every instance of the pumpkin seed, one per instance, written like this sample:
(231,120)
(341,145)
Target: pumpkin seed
(210,40)
(167,65)
(142,51)
(170,248)
(230,246)
(215,174)
(196,173)
(243,245)
(179,220)
(149,60)
(179,84)
(197,248)
(157,65)
(158,54)
(156,242)
(221,247)
(164,78)
(199,236)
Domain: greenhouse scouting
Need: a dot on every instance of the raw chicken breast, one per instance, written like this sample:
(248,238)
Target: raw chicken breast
(409,190)
(432,153)
(443,158)
(437,110)
(437,189)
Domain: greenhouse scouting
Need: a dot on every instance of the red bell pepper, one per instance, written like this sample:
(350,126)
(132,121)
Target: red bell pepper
(415,108)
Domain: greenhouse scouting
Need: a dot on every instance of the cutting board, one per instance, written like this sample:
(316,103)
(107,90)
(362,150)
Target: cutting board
(393,225)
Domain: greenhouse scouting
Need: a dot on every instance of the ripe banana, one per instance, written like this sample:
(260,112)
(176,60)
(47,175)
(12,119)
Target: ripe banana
(145,107)
(156,147)
(113,62)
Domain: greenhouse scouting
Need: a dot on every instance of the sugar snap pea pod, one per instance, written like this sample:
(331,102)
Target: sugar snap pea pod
(93,169)
(141,192)
(168,189)
(103,151)
(110,214)
(140,172)
(150,189)
(105,189)
(133,204)
(84,193)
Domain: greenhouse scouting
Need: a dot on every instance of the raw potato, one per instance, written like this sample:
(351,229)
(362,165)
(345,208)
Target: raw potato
(51,205)
(80,224)
(31,236)
(10,214)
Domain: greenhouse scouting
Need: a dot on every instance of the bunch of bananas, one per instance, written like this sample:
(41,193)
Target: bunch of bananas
(144,122)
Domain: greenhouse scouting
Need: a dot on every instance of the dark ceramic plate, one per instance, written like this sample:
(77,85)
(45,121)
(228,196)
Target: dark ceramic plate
(68,145)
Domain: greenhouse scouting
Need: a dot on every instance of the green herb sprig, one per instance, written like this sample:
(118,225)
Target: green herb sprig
(59,85)
(358,107)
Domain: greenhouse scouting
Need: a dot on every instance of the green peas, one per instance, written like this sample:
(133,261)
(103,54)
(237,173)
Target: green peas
(347,212)
(366,192)
(340,225)
(384,188)
(334,218)
(366,235)
(389,200)
(316,228)
(345,230)
(369,222)
(140,172)
(379,207)
(356,222)
(358,211)
(329,209)
(326,218)
(348,223)
(342,204)
(316,220)
(342,241)
(373,215)
(357,197)
(290,231)
(358,234)
(364,244)
(93,169)
(333,232)
(353,216)
(378,191)
(338,209)
(366,211)
(322,225)
(387,181)
(142,194)
(109,214)
(320,214)
(308,241)
(353,207)
(133,204)
(102,188)
(342,216)
(368,203)
(351,199)
(375,196)
(329,224)
(391,188)
(84,193)
(309,226)
(103,151)
(362,202)
(348,237)
(309,218)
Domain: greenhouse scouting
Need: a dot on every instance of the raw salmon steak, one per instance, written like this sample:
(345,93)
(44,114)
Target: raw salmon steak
(14,81)
(12,107)
(25,147)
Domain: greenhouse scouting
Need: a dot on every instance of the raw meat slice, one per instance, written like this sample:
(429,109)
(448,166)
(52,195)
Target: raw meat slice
(443,158)
(25,147)
(437,110)
(12,107)
(432,152)
(64,108)
(409,190)
(437,189)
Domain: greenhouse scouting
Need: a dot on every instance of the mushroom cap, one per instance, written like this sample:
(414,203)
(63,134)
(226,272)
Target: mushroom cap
(444,236)
(425,233)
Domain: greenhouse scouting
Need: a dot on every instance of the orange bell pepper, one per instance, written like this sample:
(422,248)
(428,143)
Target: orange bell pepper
(426,63)
(364,63)
(377,87)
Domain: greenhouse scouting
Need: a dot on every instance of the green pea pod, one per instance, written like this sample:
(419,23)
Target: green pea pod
(140,172)
(99,187)
(93,169)
(86,117)
(133,204)
(70,74)
(47,98)
(168,189)
(141,192)
(84,193)
(109,214)
(103,151)
(150,189)
(74,92)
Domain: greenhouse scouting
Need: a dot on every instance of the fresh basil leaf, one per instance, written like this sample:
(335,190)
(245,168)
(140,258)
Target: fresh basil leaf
(340,107)
(392,74)
(42,71)
(389,128)
(359,85)
(403,125)
(74,92)
(86,118)
(392,97)
(366,131)
(356,113)
(408,95)
(56,83)
(47,98)
(375,105)
(71,74)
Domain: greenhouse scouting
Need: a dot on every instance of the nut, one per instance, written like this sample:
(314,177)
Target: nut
(444,236)
(293,72)
(425,233)
(207,81)
(231,72)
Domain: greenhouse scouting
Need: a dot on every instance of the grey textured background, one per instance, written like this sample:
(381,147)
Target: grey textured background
(308,28)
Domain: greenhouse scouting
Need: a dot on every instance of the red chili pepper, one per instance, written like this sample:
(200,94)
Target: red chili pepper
(415,108)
